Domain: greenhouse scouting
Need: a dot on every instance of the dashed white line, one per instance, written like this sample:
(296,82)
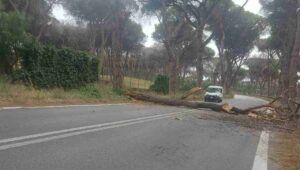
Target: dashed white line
(261,156)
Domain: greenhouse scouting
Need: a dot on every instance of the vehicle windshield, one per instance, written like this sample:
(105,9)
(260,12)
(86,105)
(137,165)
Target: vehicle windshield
(214,90)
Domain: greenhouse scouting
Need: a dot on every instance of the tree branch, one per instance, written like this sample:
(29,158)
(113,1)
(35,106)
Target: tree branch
(14,5)
(208,39)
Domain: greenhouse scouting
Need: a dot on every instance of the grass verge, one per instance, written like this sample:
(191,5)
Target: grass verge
(20,95)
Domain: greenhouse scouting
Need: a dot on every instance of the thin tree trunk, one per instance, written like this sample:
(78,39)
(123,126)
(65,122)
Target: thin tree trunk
(295,59)
(200,70)
(172,69)
(200,45)
(117,67)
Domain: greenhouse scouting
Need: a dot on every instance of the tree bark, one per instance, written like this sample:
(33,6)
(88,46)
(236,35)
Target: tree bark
(117,67)
(201,46)
(200,70)
(195,105)
(293,78)
(172,68)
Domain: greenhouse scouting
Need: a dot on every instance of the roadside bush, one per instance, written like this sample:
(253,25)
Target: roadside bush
(187,85)
(119,92)
(47,67)
(90,91)
(161,84)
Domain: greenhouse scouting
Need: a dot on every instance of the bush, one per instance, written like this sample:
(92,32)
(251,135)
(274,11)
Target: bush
(161,84)
(90,91)
(12,35)
(119,92)
(47,67)
(187,85)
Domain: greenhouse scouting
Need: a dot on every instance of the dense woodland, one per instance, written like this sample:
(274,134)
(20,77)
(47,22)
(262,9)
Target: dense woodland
(106,31)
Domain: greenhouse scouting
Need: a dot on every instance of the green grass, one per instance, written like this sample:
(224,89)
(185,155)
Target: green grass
(18,94)
(130,82)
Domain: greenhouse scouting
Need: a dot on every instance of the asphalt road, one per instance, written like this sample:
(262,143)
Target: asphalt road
(130,136)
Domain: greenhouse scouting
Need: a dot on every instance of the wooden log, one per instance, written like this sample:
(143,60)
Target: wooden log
(195,105)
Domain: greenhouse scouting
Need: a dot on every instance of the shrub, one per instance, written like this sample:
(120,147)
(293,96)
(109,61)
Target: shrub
(161,84)
(187,85)
(12,35)
(119,92)
(90,91)
(47,67)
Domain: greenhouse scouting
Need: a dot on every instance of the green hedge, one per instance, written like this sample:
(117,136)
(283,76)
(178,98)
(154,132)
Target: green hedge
(161,84)
(47,67)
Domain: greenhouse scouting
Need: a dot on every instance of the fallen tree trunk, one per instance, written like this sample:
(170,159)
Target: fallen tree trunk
(195,105)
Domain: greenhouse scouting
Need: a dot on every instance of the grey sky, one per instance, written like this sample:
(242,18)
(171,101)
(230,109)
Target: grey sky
(149,23)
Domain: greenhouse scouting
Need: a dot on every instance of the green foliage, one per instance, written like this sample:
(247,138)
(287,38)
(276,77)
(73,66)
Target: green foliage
(119,92)
(206,83)
(133,36)
(187,85)
(90,91)
(161,84)
(282,19)
(12,35)
(48,67)
(241,31)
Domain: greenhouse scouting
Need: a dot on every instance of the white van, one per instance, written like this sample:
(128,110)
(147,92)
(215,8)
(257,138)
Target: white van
(214,94)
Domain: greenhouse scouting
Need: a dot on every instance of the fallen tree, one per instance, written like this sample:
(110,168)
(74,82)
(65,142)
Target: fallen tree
(267,111)
(190,104)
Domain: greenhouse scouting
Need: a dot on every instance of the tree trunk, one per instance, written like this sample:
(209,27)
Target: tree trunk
(92,37)
(169,45)
(199,70)
(293,78)
(200,46)
(103,54)
(195,105)
(172,68)
(117,67)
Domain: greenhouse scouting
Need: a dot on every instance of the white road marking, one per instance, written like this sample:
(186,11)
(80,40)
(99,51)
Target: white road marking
(261,156)
(41,140)
(60,106)
(16,139)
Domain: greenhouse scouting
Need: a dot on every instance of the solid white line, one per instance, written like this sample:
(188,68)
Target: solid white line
(41,140)
(60,106)
(261,156)
(83,128)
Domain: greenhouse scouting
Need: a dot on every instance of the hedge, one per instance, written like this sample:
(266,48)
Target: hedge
(161,84)
(47,67)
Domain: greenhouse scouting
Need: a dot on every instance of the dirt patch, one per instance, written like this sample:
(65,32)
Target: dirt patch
(285,150)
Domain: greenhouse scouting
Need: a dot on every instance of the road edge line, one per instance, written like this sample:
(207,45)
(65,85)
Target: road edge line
(261,155)
(61,106)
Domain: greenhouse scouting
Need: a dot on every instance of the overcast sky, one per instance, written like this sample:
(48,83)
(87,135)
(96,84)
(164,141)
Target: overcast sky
(149,23)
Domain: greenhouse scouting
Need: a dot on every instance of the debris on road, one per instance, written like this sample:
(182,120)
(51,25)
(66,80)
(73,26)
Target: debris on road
(271,112)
